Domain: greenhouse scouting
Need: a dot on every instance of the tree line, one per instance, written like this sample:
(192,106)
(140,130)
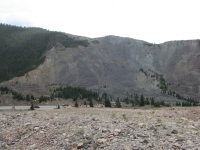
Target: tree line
(16,95)
(80,93)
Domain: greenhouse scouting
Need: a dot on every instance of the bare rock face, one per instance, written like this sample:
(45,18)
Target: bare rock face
(113,64)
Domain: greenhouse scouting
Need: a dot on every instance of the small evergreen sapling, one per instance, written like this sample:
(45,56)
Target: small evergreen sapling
(32,107)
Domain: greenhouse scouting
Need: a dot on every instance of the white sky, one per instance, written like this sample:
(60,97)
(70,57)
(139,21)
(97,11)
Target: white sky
(155,21)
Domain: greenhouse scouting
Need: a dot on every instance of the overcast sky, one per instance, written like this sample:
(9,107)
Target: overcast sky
(154,21)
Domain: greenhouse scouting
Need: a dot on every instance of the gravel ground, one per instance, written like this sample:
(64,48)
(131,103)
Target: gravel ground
(101,128)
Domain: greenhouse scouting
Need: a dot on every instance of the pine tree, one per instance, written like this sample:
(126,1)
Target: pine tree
(76,104)
(126,100)
(107,103)
(156,104)
(132,102)
(28,98)
(152,101)
(32,97)
(136,99)
(118,104)
(142,100)
(147,101)
(91,104)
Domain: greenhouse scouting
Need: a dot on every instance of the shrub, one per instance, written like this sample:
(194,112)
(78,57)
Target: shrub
(113,115)
(159,120)
(32,107)
(124,117)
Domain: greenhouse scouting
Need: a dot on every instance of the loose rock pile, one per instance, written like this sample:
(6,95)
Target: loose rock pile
(101,128)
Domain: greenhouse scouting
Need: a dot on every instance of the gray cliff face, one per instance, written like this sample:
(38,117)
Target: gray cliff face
(112,64)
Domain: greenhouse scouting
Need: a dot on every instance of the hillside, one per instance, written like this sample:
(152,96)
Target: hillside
(115,65)
(22,49)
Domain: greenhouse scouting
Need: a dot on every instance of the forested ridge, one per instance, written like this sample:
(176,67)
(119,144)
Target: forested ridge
(22,49)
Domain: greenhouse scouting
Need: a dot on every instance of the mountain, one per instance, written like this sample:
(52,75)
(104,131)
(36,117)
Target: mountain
(116,65)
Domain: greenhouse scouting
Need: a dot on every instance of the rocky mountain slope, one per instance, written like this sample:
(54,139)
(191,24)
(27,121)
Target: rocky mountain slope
(118,66)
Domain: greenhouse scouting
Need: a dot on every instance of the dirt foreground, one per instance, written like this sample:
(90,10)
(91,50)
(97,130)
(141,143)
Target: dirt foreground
(100,128)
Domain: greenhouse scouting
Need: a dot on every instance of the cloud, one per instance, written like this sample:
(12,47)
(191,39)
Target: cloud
(153,21)
(16,20)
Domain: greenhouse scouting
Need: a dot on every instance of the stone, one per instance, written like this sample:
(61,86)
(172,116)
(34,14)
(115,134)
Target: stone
(117,130)
(174,131)
(183,118)
(152,128)
(115,140)
(114,121)
(80,145)
(36,128)
(22,131)
(4,145)
(192,127)
(27,124)
(116,133)
(101,141)
(126,148)
(145,141)
(176,145)
(142,135)
(149,145)
(18,115)
(67,140)
(104,130)
(64,134)
(33,146)
(55,142)
(168,133)
(41,132)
